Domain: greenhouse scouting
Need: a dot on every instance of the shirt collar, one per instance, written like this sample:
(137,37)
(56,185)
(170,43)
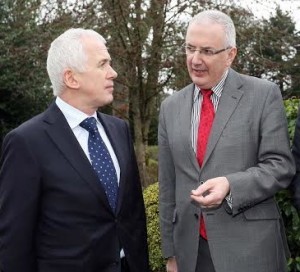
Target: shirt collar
(74,116)
(217,89)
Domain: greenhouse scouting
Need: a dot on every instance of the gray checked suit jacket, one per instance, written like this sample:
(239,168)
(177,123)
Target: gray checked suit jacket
(249,145)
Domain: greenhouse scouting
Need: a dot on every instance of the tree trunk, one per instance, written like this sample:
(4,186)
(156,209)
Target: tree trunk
(140,151)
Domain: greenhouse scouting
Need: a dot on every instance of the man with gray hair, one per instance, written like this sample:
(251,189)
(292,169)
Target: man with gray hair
(70,193)
(223,155)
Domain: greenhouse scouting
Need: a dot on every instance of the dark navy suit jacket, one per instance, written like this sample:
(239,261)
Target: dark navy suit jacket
(54,214)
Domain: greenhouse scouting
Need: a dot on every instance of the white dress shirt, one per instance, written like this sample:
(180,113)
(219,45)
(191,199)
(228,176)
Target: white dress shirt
(74,117)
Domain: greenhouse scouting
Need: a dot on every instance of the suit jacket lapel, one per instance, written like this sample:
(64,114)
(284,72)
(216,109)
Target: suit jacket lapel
(185,103)
(62,135)
(229,100)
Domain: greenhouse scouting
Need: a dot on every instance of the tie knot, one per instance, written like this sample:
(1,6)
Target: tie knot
(206,92)
(89,124)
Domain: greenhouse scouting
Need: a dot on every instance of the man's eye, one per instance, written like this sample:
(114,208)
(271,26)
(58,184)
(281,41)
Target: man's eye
(190,49)
(208,52)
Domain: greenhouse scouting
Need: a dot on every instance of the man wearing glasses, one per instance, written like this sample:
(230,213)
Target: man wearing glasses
(223,155)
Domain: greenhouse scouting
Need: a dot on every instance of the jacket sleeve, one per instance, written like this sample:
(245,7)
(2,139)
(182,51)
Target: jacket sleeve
(274,167)
(19,196)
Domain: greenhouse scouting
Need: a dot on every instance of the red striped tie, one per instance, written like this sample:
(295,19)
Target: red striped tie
(205,124)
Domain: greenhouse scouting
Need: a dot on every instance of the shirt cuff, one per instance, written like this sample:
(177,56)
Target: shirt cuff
(229,200)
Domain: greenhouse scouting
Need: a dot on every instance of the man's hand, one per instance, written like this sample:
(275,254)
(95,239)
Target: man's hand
(171,265)
(212,192)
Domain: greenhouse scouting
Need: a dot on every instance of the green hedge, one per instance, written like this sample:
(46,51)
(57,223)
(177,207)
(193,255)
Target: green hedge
(289,213)
(157,263)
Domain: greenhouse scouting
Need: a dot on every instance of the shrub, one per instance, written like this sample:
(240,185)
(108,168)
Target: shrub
(289,213)
(291,109)
(157,262)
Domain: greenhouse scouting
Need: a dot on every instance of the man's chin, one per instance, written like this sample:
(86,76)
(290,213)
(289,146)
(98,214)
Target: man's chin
(199,83)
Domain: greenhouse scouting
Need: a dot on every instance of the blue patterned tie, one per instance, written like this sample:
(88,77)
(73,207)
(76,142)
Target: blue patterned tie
(101,161)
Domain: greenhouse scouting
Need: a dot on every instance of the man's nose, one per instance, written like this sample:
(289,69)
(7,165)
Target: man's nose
(197,57)
(112,73)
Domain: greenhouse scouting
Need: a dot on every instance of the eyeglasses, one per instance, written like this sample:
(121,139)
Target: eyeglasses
(190,50)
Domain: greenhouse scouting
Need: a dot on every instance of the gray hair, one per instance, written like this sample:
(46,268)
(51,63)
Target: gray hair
(67,51)
(218,17)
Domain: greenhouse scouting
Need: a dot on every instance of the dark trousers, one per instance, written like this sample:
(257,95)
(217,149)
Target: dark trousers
(204,261)
(124,265)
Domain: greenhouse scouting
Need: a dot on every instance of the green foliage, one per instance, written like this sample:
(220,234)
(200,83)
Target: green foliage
(292,228)
(289,214)
(291,109)
(24,84)
(157,262)
(269,49)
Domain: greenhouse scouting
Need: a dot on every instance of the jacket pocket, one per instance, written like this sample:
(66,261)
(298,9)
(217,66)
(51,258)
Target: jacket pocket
(263,211)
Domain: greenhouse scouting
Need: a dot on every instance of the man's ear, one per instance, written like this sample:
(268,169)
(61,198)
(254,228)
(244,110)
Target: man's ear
(71,79)
(231,56)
